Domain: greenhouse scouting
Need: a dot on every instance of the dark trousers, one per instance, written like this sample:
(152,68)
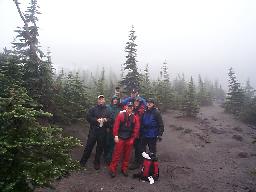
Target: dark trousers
(150,142)
(95,136)
(109,146)
(137,150)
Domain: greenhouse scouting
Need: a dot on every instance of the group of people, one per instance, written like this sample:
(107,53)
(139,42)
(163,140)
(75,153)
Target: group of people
(117,128)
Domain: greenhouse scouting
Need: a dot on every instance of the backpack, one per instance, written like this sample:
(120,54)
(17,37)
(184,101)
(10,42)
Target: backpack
(149,171)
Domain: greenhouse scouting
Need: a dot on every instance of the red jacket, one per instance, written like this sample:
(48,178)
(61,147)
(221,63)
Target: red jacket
(120,118)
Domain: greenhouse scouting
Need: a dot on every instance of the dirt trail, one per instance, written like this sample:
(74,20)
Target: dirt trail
(213,153)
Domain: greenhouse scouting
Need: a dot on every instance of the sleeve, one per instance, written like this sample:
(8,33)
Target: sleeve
(117,124)
(137,127)
(90,117)
(109,116)
(159,122)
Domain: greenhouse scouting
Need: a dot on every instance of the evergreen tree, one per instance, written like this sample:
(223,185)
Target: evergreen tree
(248,111)
(131,79)
(37,71)
(179,87)
(235,95)
(163,90)
(146,85)
(249,90)
(30,154)
(204,97)
(190,104)
(75,98)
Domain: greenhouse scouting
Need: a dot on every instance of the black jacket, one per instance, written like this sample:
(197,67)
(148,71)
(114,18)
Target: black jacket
(99,111)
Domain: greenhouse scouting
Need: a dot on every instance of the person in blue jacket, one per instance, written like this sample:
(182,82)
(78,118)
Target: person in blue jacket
(134,94)
(152,127)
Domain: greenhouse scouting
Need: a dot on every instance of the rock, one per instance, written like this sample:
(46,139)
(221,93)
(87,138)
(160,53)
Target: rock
(243,155)
(187,131)
(238,129)
(237,137)
(216,130)
(179,128)
(214,119)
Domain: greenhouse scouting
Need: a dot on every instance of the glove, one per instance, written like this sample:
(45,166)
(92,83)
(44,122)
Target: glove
(159,138)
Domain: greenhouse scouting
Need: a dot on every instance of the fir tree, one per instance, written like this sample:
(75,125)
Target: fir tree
(179,87)
(37,71)
(131,79)
(163,90)
(190,104)
(31,154)
(146,85)
(235,95)
(203,95)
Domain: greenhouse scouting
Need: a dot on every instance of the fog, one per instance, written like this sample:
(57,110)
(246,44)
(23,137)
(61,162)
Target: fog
(193,37)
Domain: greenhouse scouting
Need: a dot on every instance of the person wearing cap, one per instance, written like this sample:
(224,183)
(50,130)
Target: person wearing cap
(152,127)
(134,94)
(126,129)
(114,109)
(99,118)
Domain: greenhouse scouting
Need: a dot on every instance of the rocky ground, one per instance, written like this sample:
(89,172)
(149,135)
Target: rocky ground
(213,153)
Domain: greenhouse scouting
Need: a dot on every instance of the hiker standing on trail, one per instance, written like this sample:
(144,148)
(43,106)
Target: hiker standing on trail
(134,94)
(99,118)
(114,109)
(126,129)
(139,109)
(152,127)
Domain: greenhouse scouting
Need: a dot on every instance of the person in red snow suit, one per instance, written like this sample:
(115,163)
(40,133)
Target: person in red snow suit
(125,131)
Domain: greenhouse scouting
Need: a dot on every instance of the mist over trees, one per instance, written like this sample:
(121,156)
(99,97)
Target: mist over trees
(35,101)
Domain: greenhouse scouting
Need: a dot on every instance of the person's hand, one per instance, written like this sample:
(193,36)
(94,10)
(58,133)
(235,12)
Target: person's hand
(99,120)
(105,120)
(116,139)
(131,141)
(159,138)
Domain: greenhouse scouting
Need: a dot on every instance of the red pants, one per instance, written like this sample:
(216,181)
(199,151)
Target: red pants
(123,147)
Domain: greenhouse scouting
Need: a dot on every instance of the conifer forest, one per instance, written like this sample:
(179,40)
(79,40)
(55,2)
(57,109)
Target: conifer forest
(210,131)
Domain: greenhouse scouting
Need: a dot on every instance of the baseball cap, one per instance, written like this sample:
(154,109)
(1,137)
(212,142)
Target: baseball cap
(129,104)
(151,100)
(101,96)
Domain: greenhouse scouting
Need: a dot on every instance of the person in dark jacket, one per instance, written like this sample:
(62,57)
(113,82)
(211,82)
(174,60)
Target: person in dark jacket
(114,109)
(125,131)
(152,127)
(139,109)
(99,118)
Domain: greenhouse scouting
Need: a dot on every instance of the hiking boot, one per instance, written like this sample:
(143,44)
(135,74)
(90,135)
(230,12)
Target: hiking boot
(134,165)
(124,173)
(96,166)
(112,174)
(82,164)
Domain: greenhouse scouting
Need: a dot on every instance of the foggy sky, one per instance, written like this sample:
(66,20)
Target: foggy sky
(199,36)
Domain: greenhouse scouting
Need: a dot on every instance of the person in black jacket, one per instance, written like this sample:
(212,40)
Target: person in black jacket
(99,118)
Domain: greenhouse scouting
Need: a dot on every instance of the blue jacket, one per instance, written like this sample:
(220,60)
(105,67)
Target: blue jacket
(130,99)
(152,124)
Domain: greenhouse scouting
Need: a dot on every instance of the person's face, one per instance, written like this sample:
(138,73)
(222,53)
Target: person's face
(150,105)
(134,94)
(136,103)
(115,101)
(101,101)
(129,109)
